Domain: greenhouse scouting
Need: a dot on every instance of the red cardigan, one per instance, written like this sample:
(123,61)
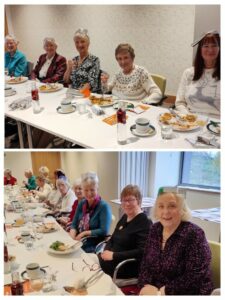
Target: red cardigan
(11,181)
(55,71)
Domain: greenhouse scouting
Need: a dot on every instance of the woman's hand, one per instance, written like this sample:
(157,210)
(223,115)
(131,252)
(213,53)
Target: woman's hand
(149,290)
(70,64)
(107,255)
(72,233)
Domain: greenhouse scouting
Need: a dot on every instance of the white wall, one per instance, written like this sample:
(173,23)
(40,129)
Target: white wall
(18,162)
(160,34)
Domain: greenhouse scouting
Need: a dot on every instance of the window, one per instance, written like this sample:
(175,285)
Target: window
(200,169)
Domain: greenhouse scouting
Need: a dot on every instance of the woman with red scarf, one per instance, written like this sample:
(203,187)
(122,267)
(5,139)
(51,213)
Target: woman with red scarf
(93,215)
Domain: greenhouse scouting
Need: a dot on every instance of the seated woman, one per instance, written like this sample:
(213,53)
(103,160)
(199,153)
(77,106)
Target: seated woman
(132,82)
(15,61)
(67,196)
(50,66)
(31,183)
(93,215)
(199,89)
(8,178)
(43,188)
(177,256)
(129,236)
(55,195)
(84,70)
(44,171)
(66,222)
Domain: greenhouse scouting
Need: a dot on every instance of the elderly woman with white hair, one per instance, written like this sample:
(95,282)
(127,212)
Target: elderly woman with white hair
(93,215)
(83,71)
(31,182)
(177,256)
(66,221)
(15,60)
(67,198)
(8,178)
(43,188)
(50,66)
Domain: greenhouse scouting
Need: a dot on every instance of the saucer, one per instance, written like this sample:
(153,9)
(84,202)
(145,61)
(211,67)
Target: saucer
(151,131)
(25,276)
(59,110)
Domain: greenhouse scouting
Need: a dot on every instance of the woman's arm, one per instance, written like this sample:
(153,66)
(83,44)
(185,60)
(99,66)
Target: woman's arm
(68,72)
(153,91)
(21,67)
(105,218)
(181,103)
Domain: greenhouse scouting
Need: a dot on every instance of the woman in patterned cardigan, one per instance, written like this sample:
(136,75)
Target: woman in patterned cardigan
(50,66)
(83,71)
(177,257)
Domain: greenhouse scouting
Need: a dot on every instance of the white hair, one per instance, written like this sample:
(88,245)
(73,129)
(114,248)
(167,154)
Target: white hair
(49,40)
(29,172)
(90,178)
(81,33)
(77,182)
(11,37)
(63,180)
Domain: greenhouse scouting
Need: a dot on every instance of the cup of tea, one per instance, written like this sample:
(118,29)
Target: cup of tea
(66,105)
(33,270)
(25,235)
(142,125)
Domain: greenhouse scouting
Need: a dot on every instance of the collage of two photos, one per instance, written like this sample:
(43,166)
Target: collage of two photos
(112,159)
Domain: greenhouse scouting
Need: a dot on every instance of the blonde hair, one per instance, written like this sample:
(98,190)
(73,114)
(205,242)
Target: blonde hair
(8,171)
(185,210)
(81,33)
(41,178)
(43,170)
(28,172)
(133,190)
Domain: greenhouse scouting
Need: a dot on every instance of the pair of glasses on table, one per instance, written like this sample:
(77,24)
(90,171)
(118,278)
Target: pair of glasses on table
(93,267)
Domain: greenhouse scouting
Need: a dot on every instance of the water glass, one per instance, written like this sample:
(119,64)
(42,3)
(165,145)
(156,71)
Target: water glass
(166,131)
(82,108)
(29,243)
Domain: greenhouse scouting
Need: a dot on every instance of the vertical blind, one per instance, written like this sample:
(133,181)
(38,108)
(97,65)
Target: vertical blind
(134,169)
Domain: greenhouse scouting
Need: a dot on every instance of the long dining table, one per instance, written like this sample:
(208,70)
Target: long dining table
(89,130)
(58,264)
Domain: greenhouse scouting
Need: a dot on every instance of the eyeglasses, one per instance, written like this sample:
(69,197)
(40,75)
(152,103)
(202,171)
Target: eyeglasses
(123,201)
(93,267)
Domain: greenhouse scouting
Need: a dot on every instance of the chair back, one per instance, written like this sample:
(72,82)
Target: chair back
(30,67)
(215,262)
(160,81)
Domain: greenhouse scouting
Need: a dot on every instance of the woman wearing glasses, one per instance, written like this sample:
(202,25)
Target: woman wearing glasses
(93,216)
(129,236)
(199,90)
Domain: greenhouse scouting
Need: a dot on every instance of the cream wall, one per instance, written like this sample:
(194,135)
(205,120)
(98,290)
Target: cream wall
(18,162)
(160,34)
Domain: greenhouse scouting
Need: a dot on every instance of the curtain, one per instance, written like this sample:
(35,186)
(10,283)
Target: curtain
(134,169)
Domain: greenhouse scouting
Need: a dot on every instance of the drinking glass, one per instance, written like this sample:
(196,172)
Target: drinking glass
(29,243)
(166,131)
(36,284)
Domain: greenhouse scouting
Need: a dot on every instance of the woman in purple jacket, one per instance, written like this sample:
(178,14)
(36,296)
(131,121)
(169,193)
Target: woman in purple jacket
(177,257)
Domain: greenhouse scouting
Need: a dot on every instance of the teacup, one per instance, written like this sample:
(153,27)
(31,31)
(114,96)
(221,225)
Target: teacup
(66,105)
(8,90)
(33,270)
(142,125)
(25,235)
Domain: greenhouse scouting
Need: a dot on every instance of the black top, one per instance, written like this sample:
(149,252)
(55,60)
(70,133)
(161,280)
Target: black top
(127,241)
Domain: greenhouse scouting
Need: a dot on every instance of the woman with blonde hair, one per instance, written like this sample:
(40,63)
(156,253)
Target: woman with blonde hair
(31,182)
(83,71)
(177,256)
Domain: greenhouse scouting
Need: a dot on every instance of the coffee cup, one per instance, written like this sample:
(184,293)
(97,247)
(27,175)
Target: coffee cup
(8,90)
(25,235)
(66,105)
(33,270)
(142,125)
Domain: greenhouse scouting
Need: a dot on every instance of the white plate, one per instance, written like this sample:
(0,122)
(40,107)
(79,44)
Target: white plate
(114,98)
(17,81)
(55,87)
(185,127)
(59,110)
(76,247)
(151,131)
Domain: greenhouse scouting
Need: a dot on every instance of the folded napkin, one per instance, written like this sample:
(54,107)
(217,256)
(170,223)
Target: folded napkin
(20,104)
(139,109)
(112,120)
